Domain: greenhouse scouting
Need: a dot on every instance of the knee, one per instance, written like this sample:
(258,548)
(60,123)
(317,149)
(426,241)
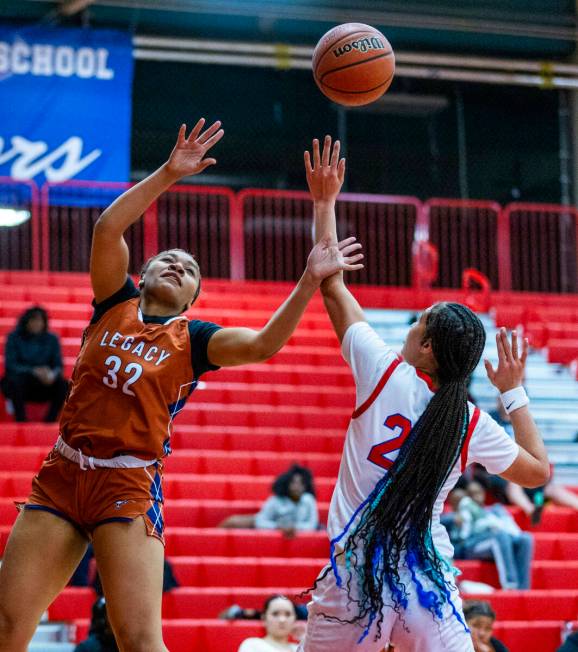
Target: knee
(139,639)
(10,637)
(503,538)
(527,540)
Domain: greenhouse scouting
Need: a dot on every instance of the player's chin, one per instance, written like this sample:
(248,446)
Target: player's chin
(169,292)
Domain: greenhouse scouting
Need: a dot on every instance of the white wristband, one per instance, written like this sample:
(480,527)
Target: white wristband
(514,399)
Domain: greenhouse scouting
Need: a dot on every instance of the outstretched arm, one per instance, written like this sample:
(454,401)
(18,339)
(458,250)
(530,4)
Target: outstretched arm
(531,468)
(109,255)
(235,346)
(325,174)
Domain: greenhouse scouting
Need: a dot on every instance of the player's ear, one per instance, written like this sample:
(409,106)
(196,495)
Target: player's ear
(426,346)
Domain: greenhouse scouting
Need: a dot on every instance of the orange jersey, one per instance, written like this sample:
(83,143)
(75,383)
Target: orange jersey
(130,380)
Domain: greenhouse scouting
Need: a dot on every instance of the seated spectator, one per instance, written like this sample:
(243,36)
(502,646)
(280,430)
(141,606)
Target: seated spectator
(100,636)
(290,509)
(491,533)
(480,618)
(34,366)
(569,638)
(236,612)
(532,500)
(279,620)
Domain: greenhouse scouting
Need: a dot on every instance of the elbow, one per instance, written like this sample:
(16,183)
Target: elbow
(261,352)
(104,226)
(540,477)
(262,355)
(545,474)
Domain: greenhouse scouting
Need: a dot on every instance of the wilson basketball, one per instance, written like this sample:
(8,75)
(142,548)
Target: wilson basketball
(353,64)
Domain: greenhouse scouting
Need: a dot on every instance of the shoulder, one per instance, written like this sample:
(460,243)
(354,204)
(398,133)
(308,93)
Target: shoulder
(202,328)
(484,425)
(308,499)
(361,335)
(498,645)
(251,645)
(125,293)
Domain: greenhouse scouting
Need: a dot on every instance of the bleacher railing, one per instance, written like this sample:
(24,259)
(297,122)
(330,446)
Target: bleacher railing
(277,231)
(266,234)
(542,242)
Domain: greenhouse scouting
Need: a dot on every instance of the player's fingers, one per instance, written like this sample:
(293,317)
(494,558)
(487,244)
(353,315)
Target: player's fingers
(197,129)
(343,243)
(205,163)
(525,348)
(326,151)
(353,259)
(335,154)
(500,347)
(341,170)
(506,345)
(307,159)
(514,345)
(346,251)
(204,137)
(316,155)
(182,131)
(352,268)
(489,369)
(214,139)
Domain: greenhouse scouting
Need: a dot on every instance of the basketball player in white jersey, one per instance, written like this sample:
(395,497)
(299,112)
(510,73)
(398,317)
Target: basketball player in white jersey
(390,581)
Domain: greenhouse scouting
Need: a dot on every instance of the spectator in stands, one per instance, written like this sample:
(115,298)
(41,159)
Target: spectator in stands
(491,533)
(34,366)
(100,636)
(290,509)
(480,618)
(569,639)
(279,618)
(532,500)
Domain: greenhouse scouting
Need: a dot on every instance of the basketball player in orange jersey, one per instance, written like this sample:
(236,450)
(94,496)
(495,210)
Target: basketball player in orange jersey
(139,361)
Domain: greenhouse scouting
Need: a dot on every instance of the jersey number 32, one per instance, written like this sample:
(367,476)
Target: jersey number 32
(133,371)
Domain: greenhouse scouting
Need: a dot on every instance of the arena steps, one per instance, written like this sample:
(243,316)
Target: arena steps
(245,425)
(205,602)
(195,635)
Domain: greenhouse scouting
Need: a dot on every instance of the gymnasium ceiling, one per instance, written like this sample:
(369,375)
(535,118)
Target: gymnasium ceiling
(528,28)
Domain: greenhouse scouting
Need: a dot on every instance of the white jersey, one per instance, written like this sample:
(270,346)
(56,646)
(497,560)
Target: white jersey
(391,396)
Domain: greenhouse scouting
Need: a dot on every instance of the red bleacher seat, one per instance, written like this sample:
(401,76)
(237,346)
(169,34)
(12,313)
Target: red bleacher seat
(248,424)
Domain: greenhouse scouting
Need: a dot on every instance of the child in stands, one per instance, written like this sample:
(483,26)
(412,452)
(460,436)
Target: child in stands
(291,508)
(279,619)
(480,618)
(140,360)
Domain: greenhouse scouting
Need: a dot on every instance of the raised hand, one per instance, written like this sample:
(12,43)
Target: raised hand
(188,155)
(511,366)
(325,176)
(327,259)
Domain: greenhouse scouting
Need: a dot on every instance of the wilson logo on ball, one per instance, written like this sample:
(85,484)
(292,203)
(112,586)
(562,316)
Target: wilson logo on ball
(363,45)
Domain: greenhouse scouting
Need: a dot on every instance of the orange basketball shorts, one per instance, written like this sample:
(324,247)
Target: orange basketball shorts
(92,497)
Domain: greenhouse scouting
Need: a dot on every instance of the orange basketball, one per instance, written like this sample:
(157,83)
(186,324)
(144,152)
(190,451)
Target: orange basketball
(353,64)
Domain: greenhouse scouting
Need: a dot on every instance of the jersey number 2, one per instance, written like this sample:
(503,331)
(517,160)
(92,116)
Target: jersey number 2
(111,380)
(378,452)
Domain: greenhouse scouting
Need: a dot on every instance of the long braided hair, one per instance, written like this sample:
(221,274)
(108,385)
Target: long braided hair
(393,525)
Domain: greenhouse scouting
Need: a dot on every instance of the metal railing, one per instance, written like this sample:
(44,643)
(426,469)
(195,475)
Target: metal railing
(265,234)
